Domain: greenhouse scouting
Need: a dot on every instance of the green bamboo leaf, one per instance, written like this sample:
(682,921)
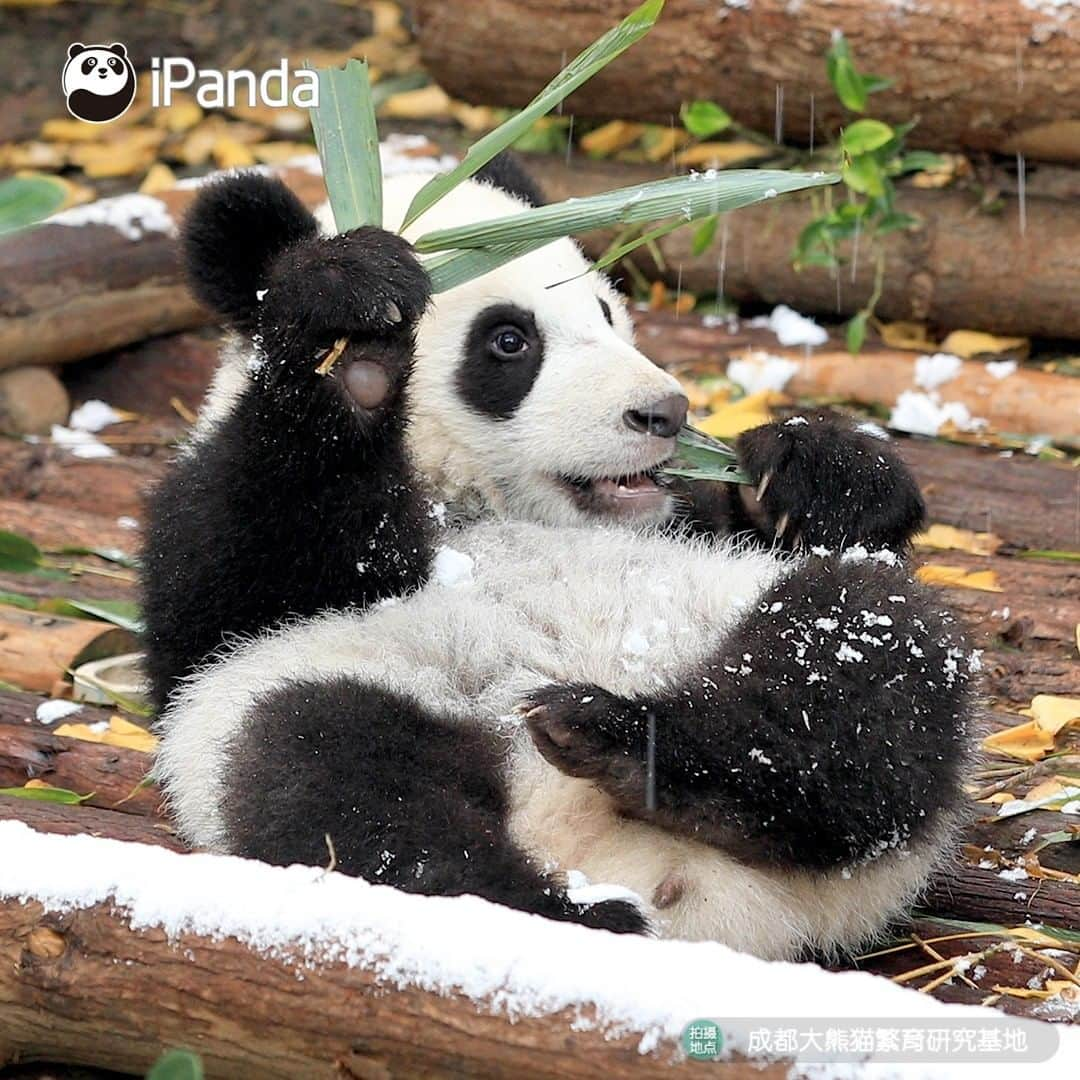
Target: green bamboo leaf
(348,143)
(849,85)
(864,174)
(177,1065)
(701,457)
(856,332)
(597,56)
(49,795)
(120,613)
(18,555)
(688,197)
(27,199)
(704,118)
(705,235)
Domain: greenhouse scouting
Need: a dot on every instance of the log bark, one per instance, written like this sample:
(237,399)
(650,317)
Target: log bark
(36,649)
(89,820)
(999,75)
(961,269)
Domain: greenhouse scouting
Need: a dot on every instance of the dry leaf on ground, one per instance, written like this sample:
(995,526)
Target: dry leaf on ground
(118,732)
(959,577)
(950,538)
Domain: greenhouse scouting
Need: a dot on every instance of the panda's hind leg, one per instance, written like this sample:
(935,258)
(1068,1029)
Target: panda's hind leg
(339,770)
(827,728)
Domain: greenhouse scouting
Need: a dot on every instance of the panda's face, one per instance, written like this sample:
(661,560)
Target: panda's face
(528,389)
(97,71)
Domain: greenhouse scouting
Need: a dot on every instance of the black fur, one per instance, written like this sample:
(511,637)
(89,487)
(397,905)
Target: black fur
(506,172)
(406,799)
(817,736)
(232,233)
(827,484)
(301,500)
(494,385)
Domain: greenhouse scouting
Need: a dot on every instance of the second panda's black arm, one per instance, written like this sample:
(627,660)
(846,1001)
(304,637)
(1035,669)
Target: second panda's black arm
(816,480)
(302,497)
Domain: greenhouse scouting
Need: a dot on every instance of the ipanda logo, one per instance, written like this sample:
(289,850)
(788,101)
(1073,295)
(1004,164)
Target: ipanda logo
(99,83)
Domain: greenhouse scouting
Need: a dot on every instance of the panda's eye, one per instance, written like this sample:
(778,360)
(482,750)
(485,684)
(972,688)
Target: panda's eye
(114,64)
(508,341)
(605,307)
(88,65)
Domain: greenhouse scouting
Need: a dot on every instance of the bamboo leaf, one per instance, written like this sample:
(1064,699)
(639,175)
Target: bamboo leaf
(118,612)
(18,555)
(47,794)
(177,1065)
(701,457)
(597,56)
(27,199)
(348,143)
(686,197)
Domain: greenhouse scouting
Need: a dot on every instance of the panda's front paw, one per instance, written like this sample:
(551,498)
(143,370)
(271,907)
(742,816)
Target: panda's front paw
(615,916)
(362,285)
(586,732)
(818,481)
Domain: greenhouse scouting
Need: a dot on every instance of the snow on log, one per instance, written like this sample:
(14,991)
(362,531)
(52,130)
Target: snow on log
(110,951)
(1001,75)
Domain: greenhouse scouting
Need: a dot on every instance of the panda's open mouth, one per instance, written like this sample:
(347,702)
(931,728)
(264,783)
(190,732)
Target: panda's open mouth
(639,495)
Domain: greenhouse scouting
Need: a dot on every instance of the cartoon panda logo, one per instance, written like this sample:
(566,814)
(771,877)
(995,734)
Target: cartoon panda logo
(99,82)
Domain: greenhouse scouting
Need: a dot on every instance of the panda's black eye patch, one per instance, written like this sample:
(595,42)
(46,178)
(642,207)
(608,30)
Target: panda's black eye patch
(88,65)
(605,307)
(114,63)
(502,356)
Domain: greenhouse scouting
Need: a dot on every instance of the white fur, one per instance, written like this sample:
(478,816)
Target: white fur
(627,611)
(571,421)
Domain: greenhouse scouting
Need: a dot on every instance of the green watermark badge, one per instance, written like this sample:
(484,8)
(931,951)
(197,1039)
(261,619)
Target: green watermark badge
(703,1040)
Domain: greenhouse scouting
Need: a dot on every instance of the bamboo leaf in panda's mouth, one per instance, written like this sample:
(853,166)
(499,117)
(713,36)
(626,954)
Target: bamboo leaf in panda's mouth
(347,139)
(701,457)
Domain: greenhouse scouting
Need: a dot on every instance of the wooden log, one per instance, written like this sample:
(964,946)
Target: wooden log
(36,649)
(961,269)
(32,399)
(74,290)
(1000,75)
(112,774)
(90,821)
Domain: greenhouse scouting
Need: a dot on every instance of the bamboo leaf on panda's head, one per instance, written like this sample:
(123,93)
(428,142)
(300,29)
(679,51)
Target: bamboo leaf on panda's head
(348,143)
(597,56)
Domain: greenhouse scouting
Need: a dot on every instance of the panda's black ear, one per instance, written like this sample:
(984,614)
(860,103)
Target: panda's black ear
(506,172)
(75,48)
(234,230)
(119,49)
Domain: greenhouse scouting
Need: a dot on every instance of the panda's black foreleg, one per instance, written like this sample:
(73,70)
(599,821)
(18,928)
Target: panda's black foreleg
(828,726)
(345,772)
(302,498)
(815,480)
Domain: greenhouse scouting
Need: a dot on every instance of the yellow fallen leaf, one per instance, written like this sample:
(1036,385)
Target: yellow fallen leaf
(1026,742)
(120,732)
(61,129)
(1053,786)
(474,118)
(159,178)
(182,115)
(969,343)
(999,798)
(33,155)
(611,138)
(428,103)
(386,19)
(951,167)
(280,151)
(950,538)
(719,155)
(1052,713)
(661,143)
(228,153)
(956,577)
(738,416)
(906,335)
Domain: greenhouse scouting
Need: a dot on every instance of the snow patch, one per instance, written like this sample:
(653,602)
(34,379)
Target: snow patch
(452,569)
(757,371)
(875,431)
(934,371)
(82,444)
(925,414)
(131,215)
(791,328)
(1001,369)
(93,415)
(48,712)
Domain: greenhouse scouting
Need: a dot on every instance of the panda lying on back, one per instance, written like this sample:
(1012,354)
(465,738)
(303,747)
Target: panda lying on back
(763,744)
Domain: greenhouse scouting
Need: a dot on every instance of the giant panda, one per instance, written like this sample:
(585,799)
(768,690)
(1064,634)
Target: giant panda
(433,617)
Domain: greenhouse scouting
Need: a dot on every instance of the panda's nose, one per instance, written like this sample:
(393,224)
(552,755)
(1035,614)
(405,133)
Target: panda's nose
(662,418)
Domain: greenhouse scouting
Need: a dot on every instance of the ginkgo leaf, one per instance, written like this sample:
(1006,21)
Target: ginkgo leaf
(1052,713)
(1026,742)
(958,577)
(738,416)
(950,538)
(118,732)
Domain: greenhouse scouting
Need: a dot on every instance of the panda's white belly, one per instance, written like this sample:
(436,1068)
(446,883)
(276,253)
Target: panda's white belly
(538,605)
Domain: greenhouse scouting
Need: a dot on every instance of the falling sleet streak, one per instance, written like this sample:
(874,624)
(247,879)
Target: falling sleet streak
(811,123)
(722,269)
(1021,190)
(650,765)
(678,293)
(779,127)
(570,141)
(855,250)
